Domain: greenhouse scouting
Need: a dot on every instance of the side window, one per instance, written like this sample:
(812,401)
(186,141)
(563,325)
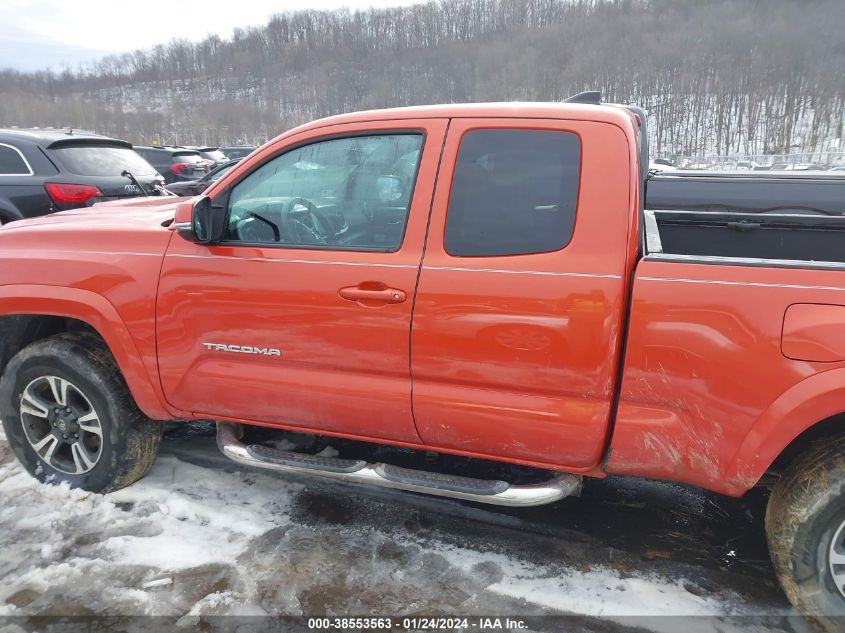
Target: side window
(12,163)
(348,193)
(514,192)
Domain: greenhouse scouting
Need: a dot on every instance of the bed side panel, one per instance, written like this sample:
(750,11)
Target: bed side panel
(704,368)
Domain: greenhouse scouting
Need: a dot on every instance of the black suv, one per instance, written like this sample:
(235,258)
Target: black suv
(175,163)
(42,171)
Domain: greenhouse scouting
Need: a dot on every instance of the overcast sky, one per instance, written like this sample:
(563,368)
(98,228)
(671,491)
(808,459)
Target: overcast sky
(40,34)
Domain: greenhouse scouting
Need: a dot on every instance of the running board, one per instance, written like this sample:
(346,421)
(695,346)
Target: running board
(386,476)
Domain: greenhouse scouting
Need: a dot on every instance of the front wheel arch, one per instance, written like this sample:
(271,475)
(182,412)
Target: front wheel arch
(69,417)
(97,313)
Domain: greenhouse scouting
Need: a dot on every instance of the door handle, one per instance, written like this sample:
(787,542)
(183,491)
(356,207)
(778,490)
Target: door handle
(372,293)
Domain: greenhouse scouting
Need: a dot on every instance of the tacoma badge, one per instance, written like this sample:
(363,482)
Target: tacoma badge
(243,349)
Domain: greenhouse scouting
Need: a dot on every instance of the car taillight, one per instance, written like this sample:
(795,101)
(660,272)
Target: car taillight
(65,193)
(178,168)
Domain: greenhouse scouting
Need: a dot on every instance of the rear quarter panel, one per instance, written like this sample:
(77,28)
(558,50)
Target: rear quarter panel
(708,396)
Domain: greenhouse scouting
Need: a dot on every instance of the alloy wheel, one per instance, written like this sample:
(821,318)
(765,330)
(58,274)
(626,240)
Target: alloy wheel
(61,425)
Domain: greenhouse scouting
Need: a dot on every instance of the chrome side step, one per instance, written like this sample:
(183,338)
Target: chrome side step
(358,471)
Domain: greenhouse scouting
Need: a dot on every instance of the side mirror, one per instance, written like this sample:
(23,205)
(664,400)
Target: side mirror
(389,189)
(201,220)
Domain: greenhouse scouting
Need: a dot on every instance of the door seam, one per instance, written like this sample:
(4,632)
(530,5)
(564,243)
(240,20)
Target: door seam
(419,274)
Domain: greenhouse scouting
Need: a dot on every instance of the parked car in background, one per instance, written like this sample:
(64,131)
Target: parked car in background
(799,167)
(42,171)
(212,155)
(176,164)
(238,151)
(655,165)
(196,187)
(840,168)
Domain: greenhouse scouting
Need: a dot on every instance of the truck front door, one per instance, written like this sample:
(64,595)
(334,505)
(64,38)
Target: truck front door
(519,312)
(302,314)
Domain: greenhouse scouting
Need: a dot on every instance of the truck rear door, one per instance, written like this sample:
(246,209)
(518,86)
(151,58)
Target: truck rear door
(519,311)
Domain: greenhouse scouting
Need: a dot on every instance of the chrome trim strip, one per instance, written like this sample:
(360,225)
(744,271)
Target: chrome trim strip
(755,261)
(23,158)
(522,272)
(290,261)
(44,253)
(560,486)
(753,215)
(336,263)
(181,226)
(758,284)
(652,233)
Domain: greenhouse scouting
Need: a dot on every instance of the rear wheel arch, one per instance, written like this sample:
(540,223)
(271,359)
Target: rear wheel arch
(805,520)
(813,408)
(830,427)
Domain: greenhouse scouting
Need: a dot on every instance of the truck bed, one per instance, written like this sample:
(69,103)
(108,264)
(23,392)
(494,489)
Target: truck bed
(810,193)
(782,219)
(766,238)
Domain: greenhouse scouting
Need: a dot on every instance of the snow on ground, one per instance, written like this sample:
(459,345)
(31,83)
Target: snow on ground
(198,536)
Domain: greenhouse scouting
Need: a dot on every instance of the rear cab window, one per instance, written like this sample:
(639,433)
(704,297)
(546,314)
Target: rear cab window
(514,192)
(100,160)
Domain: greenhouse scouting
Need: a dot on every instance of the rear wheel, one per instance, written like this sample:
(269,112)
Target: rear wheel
(69,417)
(805,525)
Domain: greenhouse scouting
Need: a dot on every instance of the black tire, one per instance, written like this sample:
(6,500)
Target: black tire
(805,512)
(129,441)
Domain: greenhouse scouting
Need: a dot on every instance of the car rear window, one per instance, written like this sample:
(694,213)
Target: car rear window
(514,192)
(186,157)
(101,160)
(12,163)
(215,155)
(238,152)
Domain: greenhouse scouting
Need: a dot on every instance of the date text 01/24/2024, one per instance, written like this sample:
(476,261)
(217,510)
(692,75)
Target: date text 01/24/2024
(418,624)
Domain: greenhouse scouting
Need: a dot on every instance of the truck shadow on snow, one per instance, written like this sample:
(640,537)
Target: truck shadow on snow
(706,546)
(201,537)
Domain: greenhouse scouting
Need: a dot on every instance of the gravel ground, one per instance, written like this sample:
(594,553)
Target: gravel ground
(201,537)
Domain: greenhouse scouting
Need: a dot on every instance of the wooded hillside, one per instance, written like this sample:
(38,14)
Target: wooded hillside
(717,76)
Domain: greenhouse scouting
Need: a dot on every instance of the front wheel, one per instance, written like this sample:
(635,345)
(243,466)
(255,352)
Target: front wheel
(69,416)
(805,525)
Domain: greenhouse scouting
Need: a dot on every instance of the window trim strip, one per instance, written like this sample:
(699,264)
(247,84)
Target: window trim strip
(23,158)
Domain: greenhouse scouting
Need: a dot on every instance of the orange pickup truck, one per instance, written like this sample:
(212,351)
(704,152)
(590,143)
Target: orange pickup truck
(483,282)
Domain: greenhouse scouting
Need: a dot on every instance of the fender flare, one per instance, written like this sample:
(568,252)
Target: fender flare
(95,310)
(800,407)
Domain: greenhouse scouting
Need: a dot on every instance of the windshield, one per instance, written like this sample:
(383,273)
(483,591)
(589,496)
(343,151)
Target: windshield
(102,160)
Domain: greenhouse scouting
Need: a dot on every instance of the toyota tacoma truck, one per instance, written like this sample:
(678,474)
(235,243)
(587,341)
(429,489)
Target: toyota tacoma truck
(485,283)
